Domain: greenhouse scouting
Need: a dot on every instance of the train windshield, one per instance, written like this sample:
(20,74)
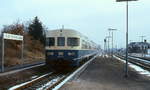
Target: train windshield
(50,41)
(61,41)
(71,41)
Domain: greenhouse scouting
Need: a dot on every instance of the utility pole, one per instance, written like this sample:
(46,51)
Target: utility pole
(108,50)
(105,47)
(127,27)
(62,27)
(130,41)
(142,37)
(110,29)
(109,43)
(126,66)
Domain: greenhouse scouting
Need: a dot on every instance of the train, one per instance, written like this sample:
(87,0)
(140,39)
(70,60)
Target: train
(68,47)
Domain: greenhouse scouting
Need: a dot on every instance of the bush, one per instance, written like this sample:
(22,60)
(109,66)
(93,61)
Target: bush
(33,49)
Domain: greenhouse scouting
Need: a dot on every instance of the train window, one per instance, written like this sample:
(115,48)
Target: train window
(61,41)
(73,41)
(51,41)
(47,41)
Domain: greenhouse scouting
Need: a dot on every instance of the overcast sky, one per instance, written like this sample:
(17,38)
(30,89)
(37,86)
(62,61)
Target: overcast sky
(90,17)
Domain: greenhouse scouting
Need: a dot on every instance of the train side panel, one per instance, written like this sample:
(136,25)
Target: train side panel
(68,53)
(70,57)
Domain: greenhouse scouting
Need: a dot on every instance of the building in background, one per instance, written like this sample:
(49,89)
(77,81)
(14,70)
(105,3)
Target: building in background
(139,47)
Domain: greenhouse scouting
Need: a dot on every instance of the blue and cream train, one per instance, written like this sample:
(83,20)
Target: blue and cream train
(67,46)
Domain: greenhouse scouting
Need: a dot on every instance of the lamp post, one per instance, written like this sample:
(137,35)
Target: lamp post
(126,66)
(108,50)
(142,37)
(110,29)
(105,46)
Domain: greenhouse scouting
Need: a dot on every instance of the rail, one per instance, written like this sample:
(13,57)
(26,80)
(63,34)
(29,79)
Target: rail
(138,61)
(52,81)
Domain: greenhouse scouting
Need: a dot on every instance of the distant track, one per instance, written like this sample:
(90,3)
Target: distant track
(138,61)
(145,58)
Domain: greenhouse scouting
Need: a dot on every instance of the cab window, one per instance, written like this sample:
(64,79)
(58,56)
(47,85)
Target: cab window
(50,41)
(61,41)
(71,41)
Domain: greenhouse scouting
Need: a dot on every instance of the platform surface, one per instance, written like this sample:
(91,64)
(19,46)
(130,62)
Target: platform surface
(108,74)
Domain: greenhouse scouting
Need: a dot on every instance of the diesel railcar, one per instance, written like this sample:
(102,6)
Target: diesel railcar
(68,47)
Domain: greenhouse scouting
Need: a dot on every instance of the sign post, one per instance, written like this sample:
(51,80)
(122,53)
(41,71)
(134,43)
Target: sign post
(126,66)
(2,66)
(10,37)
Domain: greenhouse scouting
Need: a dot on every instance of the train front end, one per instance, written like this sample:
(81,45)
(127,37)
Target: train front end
(62,47)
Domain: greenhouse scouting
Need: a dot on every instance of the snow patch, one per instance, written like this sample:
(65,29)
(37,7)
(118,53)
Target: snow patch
(135,67)
(45,86)
(33,77)
(17,86)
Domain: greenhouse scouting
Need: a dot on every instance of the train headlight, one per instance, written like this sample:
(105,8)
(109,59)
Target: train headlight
(50,53)
(71,53)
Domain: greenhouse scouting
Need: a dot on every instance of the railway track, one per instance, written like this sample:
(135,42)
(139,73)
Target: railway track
(144,63)
(43,82)
(53,80)
(145,58)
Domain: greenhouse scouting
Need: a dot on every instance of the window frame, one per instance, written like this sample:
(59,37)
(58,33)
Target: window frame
(77,44)
(49,43)
(58,44)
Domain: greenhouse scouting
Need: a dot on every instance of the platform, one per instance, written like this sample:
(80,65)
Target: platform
(108,74)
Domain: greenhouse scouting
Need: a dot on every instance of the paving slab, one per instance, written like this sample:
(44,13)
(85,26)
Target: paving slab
(105,73)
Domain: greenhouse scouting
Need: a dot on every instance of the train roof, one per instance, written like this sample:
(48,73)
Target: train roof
(67,32)
(64,30)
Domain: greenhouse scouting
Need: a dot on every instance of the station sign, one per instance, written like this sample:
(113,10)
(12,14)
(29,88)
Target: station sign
(12,36)
(124,0)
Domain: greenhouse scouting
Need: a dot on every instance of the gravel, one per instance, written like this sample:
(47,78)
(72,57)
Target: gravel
(10,80)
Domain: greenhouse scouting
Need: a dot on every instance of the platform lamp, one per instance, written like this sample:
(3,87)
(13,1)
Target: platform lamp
(126,66)
(142,37)
(107,46)
(111,29)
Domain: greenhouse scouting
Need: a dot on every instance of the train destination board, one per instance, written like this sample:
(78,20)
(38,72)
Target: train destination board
(12,36)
